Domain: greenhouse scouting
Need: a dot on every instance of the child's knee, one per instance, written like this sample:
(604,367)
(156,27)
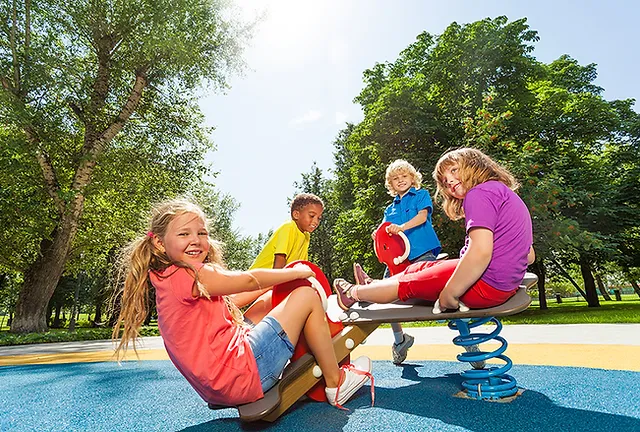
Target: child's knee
(307,295)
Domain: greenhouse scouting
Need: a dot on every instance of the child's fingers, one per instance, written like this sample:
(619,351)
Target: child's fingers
(301,266)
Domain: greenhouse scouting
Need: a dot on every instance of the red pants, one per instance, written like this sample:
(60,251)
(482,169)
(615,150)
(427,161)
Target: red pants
(425,280)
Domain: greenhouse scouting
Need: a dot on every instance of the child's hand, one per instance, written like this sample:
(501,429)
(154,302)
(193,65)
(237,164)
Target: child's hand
(394,229)
(304,270)
(447,301)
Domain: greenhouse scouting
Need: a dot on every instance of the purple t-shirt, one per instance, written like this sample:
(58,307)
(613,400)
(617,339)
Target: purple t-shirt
(494,206)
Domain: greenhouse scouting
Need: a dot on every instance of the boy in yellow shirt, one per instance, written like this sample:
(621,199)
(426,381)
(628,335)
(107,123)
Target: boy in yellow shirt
(290,242)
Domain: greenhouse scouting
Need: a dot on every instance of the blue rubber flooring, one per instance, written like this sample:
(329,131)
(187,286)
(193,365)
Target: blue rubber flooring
(152,396)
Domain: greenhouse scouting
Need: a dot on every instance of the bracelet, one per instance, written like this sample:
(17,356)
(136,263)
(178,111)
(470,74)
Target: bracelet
(255,280)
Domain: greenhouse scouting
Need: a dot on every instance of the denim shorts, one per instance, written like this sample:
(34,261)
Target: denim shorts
(272,350)
(427,256)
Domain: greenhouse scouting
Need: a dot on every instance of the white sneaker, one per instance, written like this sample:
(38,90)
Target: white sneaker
(355,375)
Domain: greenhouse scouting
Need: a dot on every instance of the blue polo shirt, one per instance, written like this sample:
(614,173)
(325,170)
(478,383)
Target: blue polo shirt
(422,238)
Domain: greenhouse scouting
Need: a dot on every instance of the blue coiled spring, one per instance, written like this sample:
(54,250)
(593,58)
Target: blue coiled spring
(489,382)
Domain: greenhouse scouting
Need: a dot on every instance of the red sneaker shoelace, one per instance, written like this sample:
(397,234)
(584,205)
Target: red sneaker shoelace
(352,368)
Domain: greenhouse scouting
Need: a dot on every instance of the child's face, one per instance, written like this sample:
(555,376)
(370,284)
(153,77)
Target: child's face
(401,182)
(186,239)
(308,217)
(453,183)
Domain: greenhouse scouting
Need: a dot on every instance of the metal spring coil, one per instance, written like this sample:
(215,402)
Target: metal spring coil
(489,382)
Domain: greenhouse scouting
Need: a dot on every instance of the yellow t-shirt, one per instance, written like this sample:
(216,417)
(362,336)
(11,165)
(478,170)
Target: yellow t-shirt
(287,240)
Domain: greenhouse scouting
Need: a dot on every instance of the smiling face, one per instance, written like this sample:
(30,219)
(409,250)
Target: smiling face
(186,239)
(401,182)
(452,182)
(308,217)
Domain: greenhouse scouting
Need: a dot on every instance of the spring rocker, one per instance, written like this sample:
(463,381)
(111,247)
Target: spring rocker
(303,376)
(487,383)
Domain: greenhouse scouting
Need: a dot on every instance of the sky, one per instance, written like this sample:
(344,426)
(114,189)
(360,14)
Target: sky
(305,65)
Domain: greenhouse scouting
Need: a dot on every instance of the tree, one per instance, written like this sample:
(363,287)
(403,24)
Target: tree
(575,154)
(321,245)
(86,85)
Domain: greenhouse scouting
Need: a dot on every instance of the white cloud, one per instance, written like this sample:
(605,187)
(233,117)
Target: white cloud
(308,117)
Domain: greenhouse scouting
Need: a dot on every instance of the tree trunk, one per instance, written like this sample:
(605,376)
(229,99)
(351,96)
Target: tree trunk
(42,277)
(540,271)
(49,312)
(97,320)
(56,318)
(635,286)
(602,288)
(569,278)
(74,307)
(589,282)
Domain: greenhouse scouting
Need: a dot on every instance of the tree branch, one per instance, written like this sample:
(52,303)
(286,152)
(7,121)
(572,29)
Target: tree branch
(48,173)
(77,110)
(95,148)
(14,49)
(127,109)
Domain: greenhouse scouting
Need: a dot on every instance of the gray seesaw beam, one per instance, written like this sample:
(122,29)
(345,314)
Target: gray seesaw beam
(298,377)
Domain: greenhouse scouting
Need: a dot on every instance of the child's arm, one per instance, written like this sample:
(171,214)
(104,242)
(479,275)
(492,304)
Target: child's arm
(244,298)
(225,282)
(471,266)
(279,261)
(417,220)
(531,257)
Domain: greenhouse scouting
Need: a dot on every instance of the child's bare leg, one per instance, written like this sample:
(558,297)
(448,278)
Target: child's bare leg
(244,298)
(260,308)
(302,311)
(380,291)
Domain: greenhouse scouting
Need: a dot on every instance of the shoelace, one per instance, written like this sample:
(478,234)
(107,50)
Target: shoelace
(353,369)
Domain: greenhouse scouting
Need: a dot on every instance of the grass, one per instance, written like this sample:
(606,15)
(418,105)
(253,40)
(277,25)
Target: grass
(63,335)
(571,311)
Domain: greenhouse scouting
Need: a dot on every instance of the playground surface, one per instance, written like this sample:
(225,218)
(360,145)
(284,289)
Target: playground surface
(575,378)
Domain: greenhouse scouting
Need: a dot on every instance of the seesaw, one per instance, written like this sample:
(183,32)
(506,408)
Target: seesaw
(349,330)
(480,382)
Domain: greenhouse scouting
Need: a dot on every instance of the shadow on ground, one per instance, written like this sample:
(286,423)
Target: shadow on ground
(149,396)
(427,403)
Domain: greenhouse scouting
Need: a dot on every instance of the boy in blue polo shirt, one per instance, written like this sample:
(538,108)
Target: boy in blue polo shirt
(409,212)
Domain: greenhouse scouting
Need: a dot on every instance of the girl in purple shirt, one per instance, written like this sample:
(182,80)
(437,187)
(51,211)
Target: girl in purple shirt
(498,245)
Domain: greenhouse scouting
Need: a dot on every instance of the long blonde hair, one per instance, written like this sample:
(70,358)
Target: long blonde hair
(474,167)
(139,258)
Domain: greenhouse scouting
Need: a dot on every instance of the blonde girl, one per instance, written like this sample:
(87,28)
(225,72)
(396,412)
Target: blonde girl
(226,362)
(498,244)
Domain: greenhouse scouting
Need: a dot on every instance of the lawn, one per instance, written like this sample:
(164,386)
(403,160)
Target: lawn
(570,311)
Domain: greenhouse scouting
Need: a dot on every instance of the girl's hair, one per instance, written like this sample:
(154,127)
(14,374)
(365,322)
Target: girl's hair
(140,257)
(401,166)
(474,167)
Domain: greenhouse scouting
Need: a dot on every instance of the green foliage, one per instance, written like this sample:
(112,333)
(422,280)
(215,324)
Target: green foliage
(575,154)
(100,117)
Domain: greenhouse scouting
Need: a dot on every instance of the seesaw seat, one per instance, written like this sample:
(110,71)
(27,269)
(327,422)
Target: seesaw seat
(423,311)
(298,376)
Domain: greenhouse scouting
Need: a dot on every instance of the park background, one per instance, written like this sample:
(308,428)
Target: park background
(110,107)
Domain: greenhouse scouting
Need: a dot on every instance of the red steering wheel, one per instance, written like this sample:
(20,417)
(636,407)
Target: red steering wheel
(391,249)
